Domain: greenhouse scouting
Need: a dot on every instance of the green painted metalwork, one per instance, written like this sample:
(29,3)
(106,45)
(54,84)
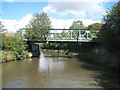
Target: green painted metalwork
(72,35)
(67,35)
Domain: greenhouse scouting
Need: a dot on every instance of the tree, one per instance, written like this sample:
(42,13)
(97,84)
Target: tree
(110,32)
(2,31)
(94,26)
(39,26)
(1,28)
(77,25)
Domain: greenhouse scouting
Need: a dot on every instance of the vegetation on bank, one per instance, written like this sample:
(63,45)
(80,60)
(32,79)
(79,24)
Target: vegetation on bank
(110,32)
(110,61)
(13,48)
(109,36)
(59,53)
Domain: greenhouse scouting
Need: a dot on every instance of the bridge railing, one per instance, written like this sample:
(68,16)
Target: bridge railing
(71,35)
(67,35)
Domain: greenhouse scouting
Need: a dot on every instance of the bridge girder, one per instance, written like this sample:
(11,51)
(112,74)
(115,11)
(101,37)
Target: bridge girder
(67,35)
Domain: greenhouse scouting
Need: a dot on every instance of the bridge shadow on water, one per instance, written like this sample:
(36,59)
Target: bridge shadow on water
(105,77)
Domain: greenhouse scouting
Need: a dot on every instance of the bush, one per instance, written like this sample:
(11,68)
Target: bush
(7,56)
(15,46)
(111,61)
(109,35)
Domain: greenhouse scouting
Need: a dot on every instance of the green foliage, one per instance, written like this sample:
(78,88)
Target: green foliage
(2,30)
(54,46)
(111,61)
(81,47)
(6,56)
(39,26)
(77,25)
(15,46)
(110,33)
(1,26)
(63,33)
(94,26)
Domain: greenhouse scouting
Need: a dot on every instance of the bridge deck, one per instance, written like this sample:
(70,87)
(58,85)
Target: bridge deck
(61,35)
(69,40)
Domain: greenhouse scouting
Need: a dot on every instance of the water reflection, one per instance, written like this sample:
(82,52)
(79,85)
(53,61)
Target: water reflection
(47,64)
(52,72)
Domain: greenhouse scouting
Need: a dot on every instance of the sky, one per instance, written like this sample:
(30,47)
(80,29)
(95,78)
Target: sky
(17,14)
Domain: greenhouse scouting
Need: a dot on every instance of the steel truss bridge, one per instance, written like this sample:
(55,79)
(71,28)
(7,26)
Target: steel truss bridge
(68,35)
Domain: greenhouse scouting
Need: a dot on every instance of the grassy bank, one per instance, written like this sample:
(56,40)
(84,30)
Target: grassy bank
(13,48)
(110,61)
(60,53)
(7,56)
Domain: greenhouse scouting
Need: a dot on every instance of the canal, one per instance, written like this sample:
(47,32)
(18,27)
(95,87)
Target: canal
(56,72)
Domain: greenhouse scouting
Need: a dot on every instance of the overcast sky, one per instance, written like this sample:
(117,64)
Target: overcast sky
(16,14)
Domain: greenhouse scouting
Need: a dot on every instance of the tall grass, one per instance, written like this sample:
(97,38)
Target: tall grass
(111,61)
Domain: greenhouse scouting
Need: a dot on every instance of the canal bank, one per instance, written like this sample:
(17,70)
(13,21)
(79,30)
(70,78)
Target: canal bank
(56,72)
(110,61)
(7,56)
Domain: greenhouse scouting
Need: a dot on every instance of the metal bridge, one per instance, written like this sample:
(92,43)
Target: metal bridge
(69,35)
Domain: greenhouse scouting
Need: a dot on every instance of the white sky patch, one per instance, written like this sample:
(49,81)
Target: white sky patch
(81,9)
(61,0)
(48,8)
(80,0)
(61,23)
(23,22)
(9,0)
(65,24)
(9,25)
(13,25)
(87,22)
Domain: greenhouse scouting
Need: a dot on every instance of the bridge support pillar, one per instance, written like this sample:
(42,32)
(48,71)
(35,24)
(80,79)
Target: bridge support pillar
(34,49)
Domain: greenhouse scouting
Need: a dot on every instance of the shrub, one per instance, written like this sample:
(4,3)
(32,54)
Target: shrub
(111,61)
(15,46)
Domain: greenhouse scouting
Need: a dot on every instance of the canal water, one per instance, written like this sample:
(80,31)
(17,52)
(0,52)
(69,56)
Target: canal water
(56,72)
